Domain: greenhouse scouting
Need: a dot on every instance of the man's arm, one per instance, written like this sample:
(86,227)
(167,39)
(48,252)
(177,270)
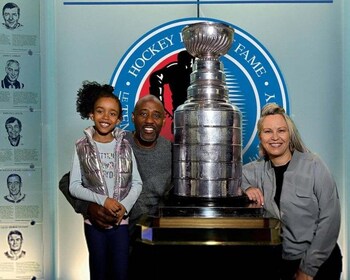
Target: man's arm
(97,214)
(80,206)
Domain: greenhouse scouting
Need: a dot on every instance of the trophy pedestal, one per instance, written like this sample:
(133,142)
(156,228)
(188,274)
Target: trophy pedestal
(203,242)
(224,221)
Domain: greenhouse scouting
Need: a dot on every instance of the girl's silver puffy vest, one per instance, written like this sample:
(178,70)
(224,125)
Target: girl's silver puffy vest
(91,167)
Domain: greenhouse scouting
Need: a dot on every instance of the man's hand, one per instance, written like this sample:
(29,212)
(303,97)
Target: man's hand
(100,216)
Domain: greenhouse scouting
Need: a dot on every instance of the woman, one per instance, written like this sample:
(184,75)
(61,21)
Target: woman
(296,187)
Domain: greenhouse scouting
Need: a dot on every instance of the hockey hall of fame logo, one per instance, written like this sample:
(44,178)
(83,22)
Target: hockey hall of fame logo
(158,64)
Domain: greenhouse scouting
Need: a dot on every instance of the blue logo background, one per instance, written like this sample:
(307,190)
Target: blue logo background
(252,76)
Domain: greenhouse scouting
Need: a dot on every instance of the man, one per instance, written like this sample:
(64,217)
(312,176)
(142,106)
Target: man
(11,13)
(154,159)
(12,72)
(15,240)
(14,185)
(13,127)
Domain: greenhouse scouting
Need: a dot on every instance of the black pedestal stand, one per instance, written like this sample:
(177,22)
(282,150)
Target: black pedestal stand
(225,238)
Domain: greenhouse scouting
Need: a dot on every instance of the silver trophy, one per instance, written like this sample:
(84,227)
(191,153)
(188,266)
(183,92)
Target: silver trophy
(207,155)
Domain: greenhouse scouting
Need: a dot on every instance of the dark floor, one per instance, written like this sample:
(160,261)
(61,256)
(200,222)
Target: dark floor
(204,262)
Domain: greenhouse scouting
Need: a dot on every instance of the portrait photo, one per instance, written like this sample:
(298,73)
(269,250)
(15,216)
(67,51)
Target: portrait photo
(15,242)
(14,185)
(13,127)
(11,15)
(12,70)
(20,26)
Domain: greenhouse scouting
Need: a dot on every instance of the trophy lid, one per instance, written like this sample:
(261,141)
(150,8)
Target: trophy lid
(207,40)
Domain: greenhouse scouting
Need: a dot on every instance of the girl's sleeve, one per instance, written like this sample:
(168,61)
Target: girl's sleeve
(76,187)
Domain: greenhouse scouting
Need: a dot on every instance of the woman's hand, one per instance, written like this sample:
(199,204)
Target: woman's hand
(255,194)
(302,276)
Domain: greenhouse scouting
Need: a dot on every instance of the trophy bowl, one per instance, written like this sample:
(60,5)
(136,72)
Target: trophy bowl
(207,40)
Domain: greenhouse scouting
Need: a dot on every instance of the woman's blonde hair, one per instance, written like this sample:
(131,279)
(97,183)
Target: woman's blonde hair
(296,143)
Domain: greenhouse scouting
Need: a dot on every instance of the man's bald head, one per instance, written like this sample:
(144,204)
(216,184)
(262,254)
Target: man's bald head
(148,98)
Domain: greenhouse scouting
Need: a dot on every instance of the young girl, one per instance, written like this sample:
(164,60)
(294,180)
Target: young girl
(104,171)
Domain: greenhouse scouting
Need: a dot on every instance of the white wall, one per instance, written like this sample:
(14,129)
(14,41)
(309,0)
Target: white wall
(346,128)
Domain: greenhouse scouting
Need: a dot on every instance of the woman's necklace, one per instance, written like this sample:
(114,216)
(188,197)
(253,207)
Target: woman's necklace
(284,163)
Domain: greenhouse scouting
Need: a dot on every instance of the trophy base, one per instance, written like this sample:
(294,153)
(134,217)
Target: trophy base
(207,239)
(233,220)
(178,206)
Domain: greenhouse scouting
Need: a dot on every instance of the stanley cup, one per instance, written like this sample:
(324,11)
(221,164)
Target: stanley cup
(207,160)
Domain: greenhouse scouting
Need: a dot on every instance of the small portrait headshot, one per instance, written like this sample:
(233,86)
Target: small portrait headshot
(12,69)
(14,185)
(13,127)
(15,241)
(11,14)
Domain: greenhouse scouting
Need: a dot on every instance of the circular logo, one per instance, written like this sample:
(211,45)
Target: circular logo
(159,64)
